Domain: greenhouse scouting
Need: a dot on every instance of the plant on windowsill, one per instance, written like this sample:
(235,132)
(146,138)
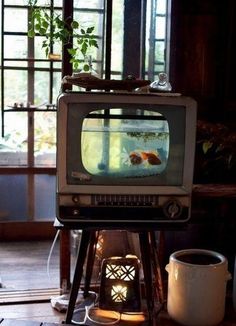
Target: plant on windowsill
(49,24)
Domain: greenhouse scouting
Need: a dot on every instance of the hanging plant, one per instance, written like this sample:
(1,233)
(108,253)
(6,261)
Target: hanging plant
(47,23)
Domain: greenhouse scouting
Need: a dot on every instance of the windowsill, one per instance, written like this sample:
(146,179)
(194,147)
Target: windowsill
(27,170)
(26,296)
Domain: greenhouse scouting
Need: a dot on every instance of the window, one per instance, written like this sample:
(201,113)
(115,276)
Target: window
(28,79)
(31,84)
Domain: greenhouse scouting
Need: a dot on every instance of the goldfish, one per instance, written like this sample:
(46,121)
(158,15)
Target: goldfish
(151,157)
(137,158)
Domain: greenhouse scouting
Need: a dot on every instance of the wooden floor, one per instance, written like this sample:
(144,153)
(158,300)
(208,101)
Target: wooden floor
(42,314)
(24,265)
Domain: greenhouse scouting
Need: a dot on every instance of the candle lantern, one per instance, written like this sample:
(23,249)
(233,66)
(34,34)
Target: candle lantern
(120,286)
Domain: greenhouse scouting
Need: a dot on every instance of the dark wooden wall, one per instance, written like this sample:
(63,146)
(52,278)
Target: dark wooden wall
(203,53)
(203,66)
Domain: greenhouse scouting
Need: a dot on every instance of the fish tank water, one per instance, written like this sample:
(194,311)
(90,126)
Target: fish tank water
(123,143)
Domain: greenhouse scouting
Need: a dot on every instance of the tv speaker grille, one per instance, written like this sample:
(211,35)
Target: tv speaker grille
(124,200)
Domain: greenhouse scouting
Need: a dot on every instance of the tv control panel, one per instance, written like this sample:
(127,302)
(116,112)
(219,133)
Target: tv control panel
(111,210)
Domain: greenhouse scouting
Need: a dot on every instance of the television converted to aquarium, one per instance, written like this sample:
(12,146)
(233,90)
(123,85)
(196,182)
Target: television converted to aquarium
(124,159)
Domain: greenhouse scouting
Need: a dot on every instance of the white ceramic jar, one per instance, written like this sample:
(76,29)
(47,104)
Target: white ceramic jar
(197,287)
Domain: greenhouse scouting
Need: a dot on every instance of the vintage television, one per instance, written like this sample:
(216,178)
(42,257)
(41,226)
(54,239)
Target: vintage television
(124,159)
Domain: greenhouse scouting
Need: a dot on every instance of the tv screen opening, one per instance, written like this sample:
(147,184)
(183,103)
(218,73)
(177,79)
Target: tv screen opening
(125,144)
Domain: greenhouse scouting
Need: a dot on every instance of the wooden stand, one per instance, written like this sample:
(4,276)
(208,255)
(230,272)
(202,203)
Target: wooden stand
(150,263)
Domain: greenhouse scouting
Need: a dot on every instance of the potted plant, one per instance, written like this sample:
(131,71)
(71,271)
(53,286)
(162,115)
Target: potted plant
(215,153)
(44,21)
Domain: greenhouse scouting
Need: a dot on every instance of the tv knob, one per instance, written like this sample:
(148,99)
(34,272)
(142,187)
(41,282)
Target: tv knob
(172,209)
(75,199)
(75,212)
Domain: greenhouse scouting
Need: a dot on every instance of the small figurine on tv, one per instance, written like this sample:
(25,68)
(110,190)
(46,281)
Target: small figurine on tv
(162,84)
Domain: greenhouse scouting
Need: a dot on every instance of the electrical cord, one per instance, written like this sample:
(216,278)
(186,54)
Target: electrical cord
(88,308)
(50,254)
(103,323)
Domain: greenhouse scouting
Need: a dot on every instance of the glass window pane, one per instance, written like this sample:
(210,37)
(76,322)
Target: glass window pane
(156,41)
(18,16)
(45,197)
(21,64)
(16,2)
(88,19)
(39,52)
(159,68)
(13,147)
(117,36)
(45,139)
(98,4)
(15,46)
(42,196)
(41,87)
(56,86)
(58,3)
(16,186)
(161,6)
(15,86)
(160,27)
(45,65)
(159,51)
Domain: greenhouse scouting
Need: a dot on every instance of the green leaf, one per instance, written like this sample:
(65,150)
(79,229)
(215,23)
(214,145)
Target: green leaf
(93,42)
(82,31)
(31,33)
(76,65)
(44,44)
(37,15)
(79,41)
(84,48)
(86,67)
(206,146)
(42,31)
(45,24)
(89,30)
(74,24)
(72,51)
(37,26)
(219,148)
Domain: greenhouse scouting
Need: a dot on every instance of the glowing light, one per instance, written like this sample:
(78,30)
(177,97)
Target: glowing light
(120,287)
(120,272)
(119,293)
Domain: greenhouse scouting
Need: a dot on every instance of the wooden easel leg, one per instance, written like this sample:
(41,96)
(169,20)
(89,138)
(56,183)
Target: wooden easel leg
(147,271)
(156,268)
(82,252)
(90,261)
(65,261)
